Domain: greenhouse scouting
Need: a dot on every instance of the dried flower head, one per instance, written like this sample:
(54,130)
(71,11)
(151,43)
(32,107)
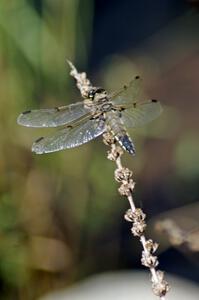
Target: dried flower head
(123,174)
(108,138)
(115,153)
(159,286)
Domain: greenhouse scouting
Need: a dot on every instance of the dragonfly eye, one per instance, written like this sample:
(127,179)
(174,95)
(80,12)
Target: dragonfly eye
(91,93)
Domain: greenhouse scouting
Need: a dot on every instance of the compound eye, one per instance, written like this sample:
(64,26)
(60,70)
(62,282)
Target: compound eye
(91,93)
(100,90)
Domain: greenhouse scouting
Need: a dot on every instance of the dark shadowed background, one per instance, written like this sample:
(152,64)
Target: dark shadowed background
(61,218)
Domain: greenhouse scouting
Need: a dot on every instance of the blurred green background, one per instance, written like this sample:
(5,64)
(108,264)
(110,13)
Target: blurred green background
(61,218)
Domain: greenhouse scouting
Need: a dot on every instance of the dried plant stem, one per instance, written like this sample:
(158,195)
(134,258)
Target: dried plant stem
(83,83)
(134,215)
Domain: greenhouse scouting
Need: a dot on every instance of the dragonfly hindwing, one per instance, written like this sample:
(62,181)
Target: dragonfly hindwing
(70,137)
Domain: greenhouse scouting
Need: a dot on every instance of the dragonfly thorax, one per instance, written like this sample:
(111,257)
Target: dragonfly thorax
(101,102)
(107,106)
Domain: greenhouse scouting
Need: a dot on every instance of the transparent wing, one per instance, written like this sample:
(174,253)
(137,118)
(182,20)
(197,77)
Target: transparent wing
(141,113)
(70,137)
(52,117)
(129,93)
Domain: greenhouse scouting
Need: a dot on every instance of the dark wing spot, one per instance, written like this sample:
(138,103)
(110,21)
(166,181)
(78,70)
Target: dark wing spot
(137,77)
(39,139)
(125,87)
(57,108)
(69,126)
(122,108)
(26,112)
(153,100)
(134,104)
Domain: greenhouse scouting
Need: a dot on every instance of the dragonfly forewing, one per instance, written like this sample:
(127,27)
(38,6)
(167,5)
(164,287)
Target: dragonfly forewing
(53,117)
(130,93)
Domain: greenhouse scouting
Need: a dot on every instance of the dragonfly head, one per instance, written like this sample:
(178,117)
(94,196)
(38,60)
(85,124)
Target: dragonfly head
(96,92)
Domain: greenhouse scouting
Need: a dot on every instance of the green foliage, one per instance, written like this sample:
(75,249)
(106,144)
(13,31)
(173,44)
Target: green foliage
(34,46)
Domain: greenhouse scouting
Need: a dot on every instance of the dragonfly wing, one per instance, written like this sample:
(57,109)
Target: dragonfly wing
(52,117)
(129,93)
(70,137)
(141,113)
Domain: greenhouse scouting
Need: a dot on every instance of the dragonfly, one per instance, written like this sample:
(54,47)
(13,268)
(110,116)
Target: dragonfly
(97,113)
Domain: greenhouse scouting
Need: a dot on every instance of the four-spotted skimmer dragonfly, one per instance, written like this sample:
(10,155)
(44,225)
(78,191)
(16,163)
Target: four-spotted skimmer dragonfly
(86,120)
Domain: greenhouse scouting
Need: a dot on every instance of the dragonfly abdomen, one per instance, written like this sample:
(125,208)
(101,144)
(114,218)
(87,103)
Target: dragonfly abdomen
(126,142)
(117,128)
